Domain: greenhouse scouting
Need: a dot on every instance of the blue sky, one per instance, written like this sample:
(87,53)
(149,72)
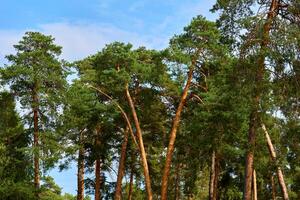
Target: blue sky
(82,27)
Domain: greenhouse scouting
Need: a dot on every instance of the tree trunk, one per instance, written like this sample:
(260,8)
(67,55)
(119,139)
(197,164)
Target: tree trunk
(249,159)
(273,188)
(118,193)
(131,181)
(176,120)
(141,145)
(278,169)
(254,114)
(80,168)
(97,166)
(98,179)
(214,174)
(36,139)
(254,186)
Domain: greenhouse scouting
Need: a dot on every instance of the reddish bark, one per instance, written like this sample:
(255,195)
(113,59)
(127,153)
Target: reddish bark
(254,114)
(97,166)
(36,139)
(118,193)
(173,132)
(80,169)
(141,145)
(274,159)
(98,179)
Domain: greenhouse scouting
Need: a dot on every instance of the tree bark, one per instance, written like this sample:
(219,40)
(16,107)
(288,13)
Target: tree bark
(36,139)
(121,169)
(175,124)
(97,166)
(249,159)
(214,174)
(131,181)
(98,179)
(254,186)
(278,169)
(254,114)
(141,145)
(273,188)
(80,169)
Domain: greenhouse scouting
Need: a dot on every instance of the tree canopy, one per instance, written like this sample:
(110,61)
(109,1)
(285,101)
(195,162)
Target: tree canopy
(214,115)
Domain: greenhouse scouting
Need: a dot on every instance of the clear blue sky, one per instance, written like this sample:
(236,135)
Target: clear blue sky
(82,27)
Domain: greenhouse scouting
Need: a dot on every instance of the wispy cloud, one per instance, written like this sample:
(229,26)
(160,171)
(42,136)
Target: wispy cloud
(7,39)
(79,40)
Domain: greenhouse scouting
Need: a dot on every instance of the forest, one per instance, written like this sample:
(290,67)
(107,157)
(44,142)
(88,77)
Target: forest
(215,115)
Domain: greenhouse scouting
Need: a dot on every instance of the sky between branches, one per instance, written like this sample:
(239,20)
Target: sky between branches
(83,27)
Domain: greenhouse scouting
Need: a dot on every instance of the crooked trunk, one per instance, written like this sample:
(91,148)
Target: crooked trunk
(274,159)
(256,100)
(121,169)
(175,124)
(80,169)
(141,145)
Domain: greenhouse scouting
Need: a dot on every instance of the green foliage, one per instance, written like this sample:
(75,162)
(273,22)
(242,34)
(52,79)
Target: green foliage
(224,57)
(14,162)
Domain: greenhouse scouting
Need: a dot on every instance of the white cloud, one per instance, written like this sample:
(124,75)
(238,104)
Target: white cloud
(7,40)
(79,40)
(82,39)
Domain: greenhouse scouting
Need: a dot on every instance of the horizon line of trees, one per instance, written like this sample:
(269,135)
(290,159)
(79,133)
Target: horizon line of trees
(215,115)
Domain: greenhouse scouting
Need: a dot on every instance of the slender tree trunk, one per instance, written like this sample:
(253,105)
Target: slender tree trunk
(176,120)
(254,186)
(97,167)
(98,179)
(249,159)
(118,193)
(131,181)
(254,114)
(141,145)
(36,139)
(214,174)
(80,168)
(278,169)
(217,172)
(273,188)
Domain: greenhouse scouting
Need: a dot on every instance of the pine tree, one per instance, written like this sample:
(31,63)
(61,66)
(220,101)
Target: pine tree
(36,77)
(15,166)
